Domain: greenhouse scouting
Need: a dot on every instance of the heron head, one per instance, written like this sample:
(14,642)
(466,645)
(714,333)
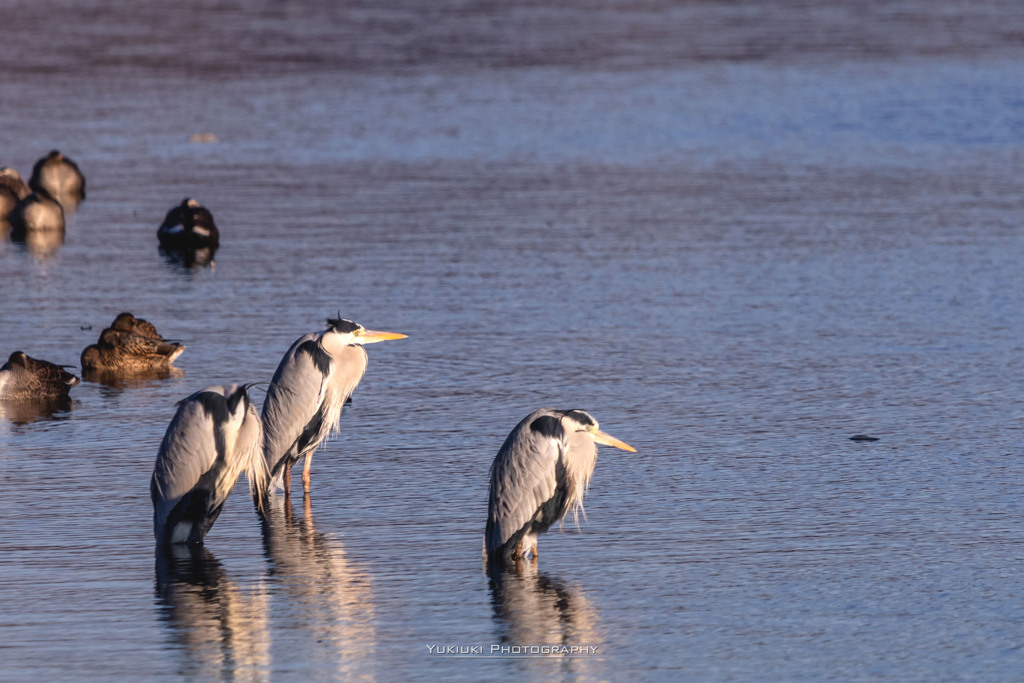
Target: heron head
(354,334)
(582,421)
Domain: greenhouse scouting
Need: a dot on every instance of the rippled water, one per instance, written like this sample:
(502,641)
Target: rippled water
(737,233)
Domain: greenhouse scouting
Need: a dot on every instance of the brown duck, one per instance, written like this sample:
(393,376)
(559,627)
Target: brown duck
(130,344)
(24,377)
(12,190)
(59,177)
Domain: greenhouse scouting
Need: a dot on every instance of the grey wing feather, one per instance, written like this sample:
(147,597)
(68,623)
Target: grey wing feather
(249,449)
(293,398)
(522,479)
(186,452)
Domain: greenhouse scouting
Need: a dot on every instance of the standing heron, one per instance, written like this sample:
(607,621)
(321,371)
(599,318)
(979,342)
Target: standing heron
(304,400)
(539,475)
(214,436)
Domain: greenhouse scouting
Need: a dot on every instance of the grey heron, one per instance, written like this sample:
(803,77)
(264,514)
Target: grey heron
(304,400)
(130,344)
(214,436)
(27,378)
(60,178)
(539,475)
(188,226)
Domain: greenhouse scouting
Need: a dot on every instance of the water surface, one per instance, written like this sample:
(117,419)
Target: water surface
(736,233)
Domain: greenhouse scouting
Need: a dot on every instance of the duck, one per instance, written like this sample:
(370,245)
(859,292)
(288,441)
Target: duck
(11,179)
(130,344)
(24,377)
(59,176)
(126,322)
(12,190)
(8,202)
(37,212)
(188,226)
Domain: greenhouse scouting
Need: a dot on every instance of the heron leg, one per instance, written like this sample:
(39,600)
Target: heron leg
(287,482)
(305,472)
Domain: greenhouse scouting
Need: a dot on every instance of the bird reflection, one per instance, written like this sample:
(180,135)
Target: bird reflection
(24,412)
(326,600)
(221,629)
(531,608)
(188,258)
(39,243)
(131,379)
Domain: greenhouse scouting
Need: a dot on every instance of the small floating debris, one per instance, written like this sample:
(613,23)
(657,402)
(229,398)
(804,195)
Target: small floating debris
(863,437)
(202,137)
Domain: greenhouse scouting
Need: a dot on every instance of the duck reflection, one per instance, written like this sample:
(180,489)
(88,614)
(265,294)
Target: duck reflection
(532,608)
(326,600)
(40,243)
(27,411)
(187,258)
(220,627)
(120,380)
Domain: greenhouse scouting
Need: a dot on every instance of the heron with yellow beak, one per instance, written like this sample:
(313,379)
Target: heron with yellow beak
(303,406)
(539,476)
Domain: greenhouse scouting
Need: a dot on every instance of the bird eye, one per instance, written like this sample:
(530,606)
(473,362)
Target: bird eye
(359,332)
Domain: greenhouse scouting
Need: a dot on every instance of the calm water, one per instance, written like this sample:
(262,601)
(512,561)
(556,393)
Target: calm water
(737,233)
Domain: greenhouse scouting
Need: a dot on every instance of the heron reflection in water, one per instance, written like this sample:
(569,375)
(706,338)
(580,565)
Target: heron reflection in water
(324,598)
(531,608)
(220,628)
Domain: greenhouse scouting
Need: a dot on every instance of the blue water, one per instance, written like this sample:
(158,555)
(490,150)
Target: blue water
(736,234)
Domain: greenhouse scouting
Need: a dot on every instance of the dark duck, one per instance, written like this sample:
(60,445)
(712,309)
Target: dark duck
(188,226)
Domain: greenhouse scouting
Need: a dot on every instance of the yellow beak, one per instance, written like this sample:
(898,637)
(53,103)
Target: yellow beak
(374,336)
(609,440)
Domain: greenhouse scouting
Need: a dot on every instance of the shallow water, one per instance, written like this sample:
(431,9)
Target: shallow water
(737,233)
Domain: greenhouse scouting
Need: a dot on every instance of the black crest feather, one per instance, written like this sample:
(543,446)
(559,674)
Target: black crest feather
(342,325)
(580,416)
